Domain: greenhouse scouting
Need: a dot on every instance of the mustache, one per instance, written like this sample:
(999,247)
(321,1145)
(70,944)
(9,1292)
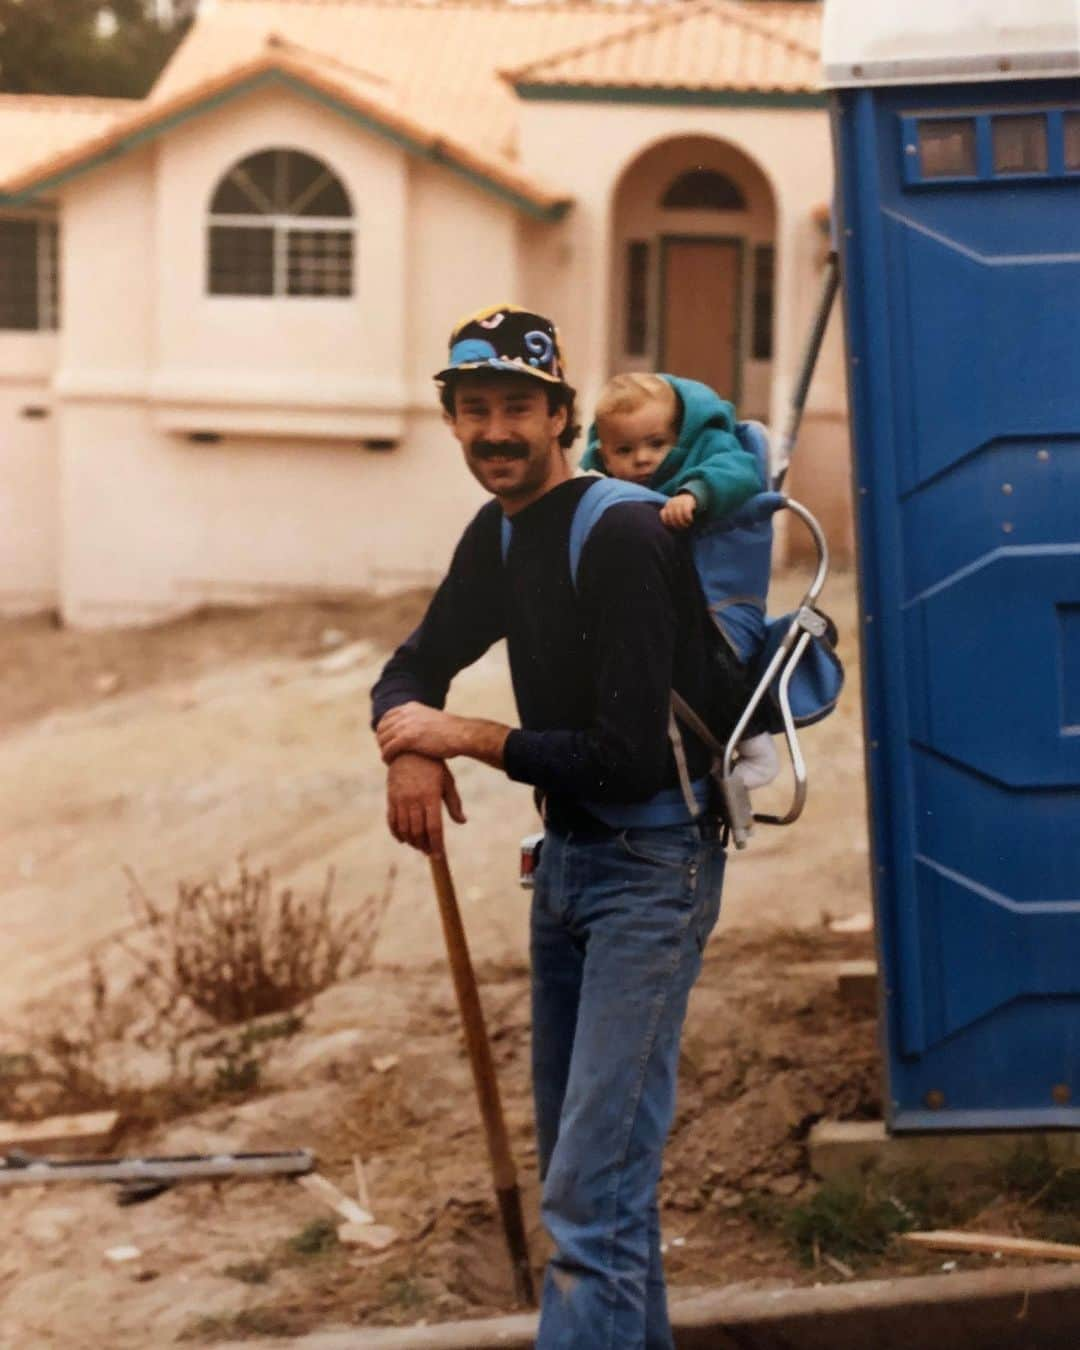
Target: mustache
(513,449)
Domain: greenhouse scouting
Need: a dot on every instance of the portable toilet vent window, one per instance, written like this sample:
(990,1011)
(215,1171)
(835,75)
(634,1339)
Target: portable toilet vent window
(957,135)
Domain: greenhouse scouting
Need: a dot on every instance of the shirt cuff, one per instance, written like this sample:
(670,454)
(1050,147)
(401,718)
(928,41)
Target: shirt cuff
(517,763)
(697,489)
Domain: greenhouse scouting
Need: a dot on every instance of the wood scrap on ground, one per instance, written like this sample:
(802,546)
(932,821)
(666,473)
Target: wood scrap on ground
(359,1228)
(377,1236)
(60,1134)
(363,1194)
(338,1201)
(944,1240)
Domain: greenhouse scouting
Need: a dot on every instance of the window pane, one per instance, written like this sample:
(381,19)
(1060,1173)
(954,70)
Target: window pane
(764,272)
(1072,140)
(241,260)
(1019,144)
(320,262)
(328,198)
(19,274)
(704,188)
(947,147)
(49,274)
(233,199)
(266,173)
(312,189)
(301,172)
(280,182)
(637,297)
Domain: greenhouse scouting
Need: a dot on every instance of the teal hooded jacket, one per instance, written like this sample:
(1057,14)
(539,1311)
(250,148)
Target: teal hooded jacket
(707,460)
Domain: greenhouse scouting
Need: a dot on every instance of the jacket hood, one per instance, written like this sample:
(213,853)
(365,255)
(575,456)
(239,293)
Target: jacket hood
(702,407)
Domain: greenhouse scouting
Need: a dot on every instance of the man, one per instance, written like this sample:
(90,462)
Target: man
(628,883)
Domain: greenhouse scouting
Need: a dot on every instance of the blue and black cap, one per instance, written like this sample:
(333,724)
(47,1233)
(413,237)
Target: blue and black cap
(505,338)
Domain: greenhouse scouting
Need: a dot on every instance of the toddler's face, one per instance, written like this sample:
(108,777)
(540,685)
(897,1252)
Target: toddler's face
(633,445)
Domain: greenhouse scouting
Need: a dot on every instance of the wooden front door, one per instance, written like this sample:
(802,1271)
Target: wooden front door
(699,325)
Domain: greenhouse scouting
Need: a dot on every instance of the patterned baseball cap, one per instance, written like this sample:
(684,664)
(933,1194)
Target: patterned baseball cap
(505,338)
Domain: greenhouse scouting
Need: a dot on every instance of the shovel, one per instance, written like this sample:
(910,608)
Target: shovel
(487,1089)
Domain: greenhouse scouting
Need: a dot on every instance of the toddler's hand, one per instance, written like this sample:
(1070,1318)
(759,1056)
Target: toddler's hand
(678,514)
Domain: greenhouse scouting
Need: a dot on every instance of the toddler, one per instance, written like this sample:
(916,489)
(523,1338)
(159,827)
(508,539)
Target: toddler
(677,437)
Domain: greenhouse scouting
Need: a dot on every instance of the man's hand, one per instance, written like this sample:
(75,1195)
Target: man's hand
(416,788)
(414,728)
(678,514)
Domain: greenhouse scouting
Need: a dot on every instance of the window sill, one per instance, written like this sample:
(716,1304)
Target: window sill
(309,424)
(198,402)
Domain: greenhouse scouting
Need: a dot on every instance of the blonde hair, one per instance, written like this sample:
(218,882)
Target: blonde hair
(626,393)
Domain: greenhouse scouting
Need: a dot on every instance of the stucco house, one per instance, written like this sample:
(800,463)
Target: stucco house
(220,306)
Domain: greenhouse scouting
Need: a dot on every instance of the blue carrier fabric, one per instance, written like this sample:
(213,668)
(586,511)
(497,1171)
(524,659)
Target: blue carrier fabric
(733,560)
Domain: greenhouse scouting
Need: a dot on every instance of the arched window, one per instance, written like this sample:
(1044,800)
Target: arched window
(704,189)
(281,223)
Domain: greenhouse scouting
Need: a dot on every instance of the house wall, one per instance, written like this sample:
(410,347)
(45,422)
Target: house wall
(116,545)
(265,349)
(293,496)
(113,504)
(587,147)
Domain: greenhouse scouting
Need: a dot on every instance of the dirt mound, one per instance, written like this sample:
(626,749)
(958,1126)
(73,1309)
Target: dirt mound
(175,750)
(378,1072)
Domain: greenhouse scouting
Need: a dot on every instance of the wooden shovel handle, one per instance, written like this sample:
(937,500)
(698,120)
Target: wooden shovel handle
(483,1069)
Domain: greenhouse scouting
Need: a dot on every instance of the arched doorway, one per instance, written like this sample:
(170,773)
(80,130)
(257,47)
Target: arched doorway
(693,267)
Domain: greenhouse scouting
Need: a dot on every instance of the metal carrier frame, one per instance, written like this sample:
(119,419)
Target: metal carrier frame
(807,624)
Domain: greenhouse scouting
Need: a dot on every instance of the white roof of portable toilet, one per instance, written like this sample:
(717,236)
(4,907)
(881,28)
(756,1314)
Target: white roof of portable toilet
(948,41)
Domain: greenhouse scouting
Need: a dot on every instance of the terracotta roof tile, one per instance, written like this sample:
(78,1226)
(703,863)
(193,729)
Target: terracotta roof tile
(38,126)
(353,89)
(442,58)
(434,66)
(710,45)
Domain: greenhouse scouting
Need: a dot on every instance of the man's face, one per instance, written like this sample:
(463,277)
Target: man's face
(510,439)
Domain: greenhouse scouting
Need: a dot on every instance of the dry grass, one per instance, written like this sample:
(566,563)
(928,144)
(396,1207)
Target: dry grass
(238,949)
(199,994)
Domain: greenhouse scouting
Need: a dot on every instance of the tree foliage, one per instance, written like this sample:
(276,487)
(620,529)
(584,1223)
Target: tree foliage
(64,47)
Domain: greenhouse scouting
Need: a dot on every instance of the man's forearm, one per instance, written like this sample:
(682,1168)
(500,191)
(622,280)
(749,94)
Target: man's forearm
(483,740)
(418,729)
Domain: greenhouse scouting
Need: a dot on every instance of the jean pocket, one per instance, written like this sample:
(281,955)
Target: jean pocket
(663,846)
(712,883)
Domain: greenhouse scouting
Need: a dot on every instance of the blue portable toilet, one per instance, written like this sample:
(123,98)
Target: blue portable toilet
(957,143)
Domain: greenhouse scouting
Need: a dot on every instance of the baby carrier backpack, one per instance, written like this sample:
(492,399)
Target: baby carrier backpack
(784,672)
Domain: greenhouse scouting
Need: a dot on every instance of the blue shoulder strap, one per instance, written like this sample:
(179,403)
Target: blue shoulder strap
(594,501)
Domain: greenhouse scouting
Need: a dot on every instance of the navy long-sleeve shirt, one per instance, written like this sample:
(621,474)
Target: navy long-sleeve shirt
(593,666)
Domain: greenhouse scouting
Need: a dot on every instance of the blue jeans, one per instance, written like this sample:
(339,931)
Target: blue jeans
(619,922)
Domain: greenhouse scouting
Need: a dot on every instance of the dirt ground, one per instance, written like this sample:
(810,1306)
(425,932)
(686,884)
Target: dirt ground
(176,750)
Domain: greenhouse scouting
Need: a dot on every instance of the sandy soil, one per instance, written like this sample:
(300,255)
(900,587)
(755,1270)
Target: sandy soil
(176,750)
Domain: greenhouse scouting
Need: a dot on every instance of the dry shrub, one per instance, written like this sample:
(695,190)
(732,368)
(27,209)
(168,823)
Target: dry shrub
(237,949)
(145,1031)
